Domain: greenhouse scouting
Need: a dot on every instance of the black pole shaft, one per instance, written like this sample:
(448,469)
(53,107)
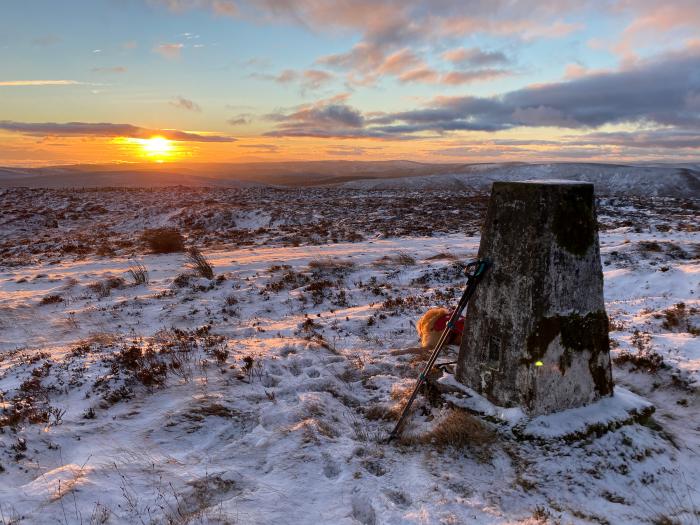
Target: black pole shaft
(472,281)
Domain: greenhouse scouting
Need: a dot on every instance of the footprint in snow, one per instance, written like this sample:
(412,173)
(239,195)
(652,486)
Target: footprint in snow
(330,468)
(363,511)
(400,499)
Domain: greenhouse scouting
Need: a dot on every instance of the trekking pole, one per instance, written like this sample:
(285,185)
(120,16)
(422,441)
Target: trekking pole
(479,268)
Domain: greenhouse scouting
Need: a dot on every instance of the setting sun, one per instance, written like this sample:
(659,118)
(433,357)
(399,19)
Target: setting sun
(157,147)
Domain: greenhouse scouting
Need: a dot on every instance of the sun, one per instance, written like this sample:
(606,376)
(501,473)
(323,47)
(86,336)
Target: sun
(157,147)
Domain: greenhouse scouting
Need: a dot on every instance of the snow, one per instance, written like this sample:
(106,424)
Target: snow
(472,401)
(616,409)
(289,439)
(622,408)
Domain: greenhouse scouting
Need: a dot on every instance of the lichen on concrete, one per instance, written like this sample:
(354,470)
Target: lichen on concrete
(577,332)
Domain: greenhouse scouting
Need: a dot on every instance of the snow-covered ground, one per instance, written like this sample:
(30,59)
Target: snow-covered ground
(263,395)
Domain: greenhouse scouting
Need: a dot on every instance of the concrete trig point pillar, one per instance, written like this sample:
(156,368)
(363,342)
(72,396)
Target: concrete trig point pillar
(536,334)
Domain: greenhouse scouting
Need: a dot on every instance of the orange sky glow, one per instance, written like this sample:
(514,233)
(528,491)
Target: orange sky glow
(239,81)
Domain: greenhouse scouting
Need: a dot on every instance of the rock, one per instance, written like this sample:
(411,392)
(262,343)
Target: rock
(536,334)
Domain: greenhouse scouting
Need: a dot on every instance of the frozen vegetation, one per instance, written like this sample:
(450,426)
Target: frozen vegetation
(137,387)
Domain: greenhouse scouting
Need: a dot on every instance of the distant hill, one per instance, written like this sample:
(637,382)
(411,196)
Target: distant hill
(609,179)
(681,180)
(214,174)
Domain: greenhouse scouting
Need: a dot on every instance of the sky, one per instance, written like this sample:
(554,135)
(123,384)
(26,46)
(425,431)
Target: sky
(278,80)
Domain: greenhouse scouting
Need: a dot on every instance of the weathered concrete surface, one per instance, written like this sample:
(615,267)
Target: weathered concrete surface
(536,334)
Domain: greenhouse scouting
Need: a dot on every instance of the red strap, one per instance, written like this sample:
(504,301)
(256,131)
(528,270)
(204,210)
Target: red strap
(441,323)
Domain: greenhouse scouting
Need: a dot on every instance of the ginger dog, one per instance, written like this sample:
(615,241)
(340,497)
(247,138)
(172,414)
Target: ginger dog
(432,324)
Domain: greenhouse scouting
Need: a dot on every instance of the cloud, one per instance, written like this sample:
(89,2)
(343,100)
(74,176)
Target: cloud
(398,22)
(398,62)
(9,83)
(575,70)
(663,91)
(475,57)
(390,29)
(477,75)
(367,63)
(315,78)
(655,22)
(285,77)
(661,143)
(420,74)
(266,148)
(115,69)
(240,119)
(105,129)
(345,151)
(186,104)
(389,25)
(643,139)
(660,90)
(308,79)
(219,7)
(169,51)
(325,118)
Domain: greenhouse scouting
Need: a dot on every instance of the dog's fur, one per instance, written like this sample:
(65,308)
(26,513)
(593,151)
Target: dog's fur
(426,327)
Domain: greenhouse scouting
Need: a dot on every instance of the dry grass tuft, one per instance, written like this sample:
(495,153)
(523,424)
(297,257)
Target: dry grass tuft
(646,361)
(458,429)
(51,299)
(645,358)
(679,318)
(398,259)
(401,393)
(100,338)
(163,240)
(443,255)
(138,274)
(199,264)
(329,265)
(104,288)
(383,412)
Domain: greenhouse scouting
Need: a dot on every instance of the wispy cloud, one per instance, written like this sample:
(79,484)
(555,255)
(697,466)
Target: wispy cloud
(106,129)
(39,82)
(307,79)
(219,7)
(240,119)
(347,151)
(367,63)
(265,148)
(456,78)
(171,51)
(475,57)
(186,104)
(115,69)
